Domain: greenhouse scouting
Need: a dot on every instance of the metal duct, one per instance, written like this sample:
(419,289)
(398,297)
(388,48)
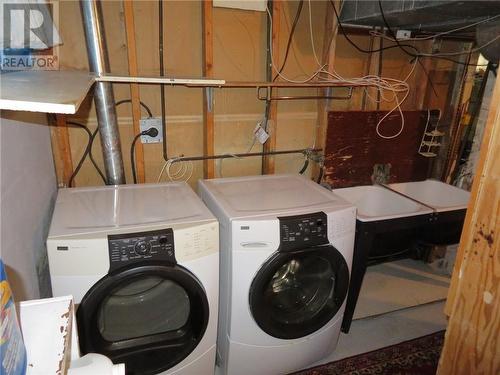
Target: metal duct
(486,33)
(103,92)
(422,15)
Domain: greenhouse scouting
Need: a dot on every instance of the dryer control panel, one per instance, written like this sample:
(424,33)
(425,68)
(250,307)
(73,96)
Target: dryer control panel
(300,231)
(130,248)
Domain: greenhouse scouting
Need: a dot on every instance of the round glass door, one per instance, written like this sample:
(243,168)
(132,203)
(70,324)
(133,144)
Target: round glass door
(149,317)
(295,293)
(148,305)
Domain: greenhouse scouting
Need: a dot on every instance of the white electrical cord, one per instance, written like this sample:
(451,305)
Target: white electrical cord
(185,168)
(236,156)
(382,84)
(220,161)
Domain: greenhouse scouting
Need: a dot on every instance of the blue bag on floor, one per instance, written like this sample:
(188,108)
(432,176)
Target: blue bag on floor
(12,349)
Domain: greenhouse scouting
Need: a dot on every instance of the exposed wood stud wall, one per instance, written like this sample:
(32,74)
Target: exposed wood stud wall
(238,55)
(471,342)
(64,148)
(128,8)
(268,162)
(208,110)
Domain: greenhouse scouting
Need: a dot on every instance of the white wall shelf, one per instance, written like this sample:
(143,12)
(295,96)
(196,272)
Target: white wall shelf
(44,91)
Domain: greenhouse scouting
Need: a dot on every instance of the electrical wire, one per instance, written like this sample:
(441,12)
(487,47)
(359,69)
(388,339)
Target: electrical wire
(151,132)
(321,171)
(395,86)
(94,134)
(290,36)
(85,153)
(360,49)
(437,35)
(236,156)
(311,34)
(132,157)
(433,55)
(351,42)
(91,156)
(143,105)
(304,167)
(180,174)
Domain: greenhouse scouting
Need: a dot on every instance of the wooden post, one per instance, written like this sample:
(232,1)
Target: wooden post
(128,8)
(329,44)
(471,342)
(64,147)
(208,110)
(272,120)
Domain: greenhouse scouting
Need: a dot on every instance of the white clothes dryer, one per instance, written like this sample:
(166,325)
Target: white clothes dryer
(286,253)
(142,263)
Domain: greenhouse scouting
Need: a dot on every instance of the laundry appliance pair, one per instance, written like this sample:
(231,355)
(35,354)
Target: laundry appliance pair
(142,262)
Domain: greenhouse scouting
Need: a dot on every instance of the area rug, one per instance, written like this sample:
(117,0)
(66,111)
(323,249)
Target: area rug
(419,356)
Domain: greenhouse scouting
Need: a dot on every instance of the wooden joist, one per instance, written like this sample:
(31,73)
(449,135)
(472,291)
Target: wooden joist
(208,110)
(128,8)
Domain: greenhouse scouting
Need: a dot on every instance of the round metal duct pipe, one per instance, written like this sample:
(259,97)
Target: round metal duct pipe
(103,91)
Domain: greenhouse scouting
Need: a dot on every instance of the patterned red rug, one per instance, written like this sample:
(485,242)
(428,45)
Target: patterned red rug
(419,356)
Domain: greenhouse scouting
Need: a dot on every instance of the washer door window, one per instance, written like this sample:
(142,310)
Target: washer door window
(149,317)
(296,293)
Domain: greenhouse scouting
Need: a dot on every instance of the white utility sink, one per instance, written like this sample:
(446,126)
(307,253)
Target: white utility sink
(436,194)
(378,203)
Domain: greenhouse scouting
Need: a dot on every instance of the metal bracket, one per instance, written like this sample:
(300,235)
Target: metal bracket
(209,94)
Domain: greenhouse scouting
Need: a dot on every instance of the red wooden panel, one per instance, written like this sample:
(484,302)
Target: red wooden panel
(353,147)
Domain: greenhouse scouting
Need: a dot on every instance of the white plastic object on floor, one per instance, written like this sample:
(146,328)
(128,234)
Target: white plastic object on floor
(94,363)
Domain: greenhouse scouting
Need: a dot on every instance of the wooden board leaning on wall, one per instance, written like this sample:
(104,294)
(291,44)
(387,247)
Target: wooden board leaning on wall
(353,147)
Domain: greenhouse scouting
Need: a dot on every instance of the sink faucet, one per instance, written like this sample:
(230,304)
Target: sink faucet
(381,173)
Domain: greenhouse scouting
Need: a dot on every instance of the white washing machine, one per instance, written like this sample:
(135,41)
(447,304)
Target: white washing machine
(142,263)
(286,253)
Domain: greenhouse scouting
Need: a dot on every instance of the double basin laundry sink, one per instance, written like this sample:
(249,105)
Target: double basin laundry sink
(391,218)
(437,208)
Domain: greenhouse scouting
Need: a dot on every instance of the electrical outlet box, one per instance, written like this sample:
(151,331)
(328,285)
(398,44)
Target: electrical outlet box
(403,34)
(151,122)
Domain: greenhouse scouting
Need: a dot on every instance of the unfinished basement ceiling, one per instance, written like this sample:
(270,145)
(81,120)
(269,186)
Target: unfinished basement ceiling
(419,15)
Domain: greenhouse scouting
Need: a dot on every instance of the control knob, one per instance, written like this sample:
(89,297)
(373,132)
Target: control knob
(142,247)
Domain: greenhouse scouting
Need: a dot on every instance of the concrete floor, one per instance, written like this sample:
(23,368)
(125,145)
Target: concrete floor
(388,329)
(399,301)
(397,285)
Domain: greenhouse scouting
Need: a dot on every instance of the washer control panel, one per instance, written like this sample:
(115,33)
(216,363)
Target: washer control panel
(134,247)
(300,231)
